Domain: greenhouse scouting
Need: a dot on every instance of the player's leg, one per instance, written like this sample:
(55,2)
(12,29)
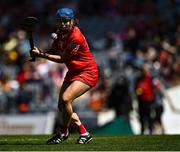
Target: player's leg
(84,137)
(68,93)
(61,135)
(72,91)
(141,117)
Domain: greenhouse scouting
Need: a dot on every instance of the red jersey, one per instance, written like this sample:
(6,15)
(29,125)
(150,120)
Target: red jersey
(144,89)
(82,63)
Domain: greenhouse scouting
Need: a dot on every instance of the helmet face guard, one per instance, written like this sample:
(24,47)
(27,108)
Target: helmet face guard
(64,24)
(65,19)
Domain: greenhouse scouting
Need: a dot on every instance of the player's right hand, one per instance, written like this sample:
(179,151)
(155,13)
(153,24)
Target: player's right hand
(36,52)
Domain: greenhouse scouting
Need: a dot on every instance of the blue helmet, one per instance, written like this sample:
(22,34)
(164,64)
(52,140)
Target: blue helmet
(65,12)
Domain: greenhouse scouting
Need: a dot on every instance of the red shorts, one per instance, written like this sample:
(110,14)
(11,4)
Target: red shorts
(88,77)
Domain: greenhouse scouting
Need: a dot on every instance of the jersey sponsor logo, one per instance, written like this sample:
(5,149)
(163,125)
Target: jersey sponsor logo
(73,48)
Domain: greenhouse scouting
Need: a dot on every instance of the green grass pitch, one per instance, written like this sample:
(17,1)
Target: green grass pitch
(99,143)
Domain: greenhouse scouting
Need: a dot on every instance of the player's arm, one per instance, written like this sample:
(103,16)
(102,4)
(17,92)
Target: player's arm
(50,55)
(53,55)
(51,51)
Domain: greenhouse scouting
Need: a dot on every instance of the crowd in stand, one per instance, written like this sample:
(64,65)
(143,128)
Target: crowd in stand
(149,34)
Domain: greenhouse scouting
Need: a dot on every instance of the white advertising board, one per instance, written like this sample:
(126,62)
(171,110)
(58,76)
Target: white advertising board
(27,123)
(170,118)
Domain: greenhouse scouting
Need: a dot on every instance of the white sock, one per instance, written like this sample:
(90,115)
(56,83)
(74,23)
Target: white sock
(85,134)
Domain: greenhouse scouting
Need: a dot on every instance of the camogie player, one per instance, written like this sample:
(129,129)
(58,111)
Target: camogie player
(70,47)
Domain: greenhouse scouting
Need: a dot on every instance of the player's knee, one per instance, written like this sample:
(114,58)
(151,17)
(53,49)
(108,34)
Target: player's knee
(65,99)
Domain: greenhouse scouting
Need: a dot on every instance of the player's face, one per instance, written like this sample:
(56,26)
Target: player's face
(64,24)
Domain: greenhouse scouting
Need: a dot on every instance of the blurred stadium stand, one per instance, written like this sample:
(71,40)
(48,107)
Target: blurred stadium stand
(122,34)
